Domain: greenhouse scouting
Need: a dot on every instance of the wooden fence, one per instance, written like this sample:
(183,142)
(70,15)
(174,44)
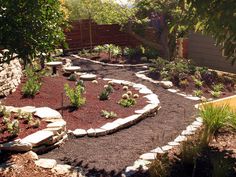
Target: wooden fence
(79,37)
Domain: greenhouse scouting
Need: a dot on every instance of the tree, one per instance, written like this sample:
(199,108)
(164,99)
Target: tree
(31,27)
(99,11)
(215,18)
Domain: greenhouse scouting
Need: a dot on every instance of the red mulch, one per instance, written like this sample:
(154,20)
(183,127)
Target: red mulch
(25,130)
(87,116)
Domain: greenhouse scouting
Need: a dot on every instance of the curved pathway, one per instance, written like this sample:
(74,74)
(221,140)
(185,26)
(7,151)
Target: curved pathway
(109,155)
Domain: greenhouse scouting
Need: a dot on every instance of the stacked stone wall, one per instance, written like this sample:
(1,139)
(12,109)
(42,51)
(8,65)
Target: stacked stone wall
(10,75)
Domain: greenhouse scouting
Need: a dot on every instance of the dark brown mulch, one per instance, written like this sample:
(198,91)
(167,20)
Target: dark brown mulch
(25,129)
(108,156)
(88,115)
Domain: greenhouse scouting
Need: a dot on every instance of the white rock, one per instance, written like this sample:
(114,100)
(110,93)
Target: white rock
(61,169)
(47,113)
(57,124)
(166,84)
(79,132)
(187,132)
(142,164)
(172,143)
(199,119)
(173,90)
(197,124)
(180,138)
(191,128)
(18,146)
(166,148)
(110,126)
(46,163)
(33,155)
(29,109)
(133,118)
(158,150)
(100,132)
(145,91)
(91,132)
(193,98)
(148,156)
(38,137)
(88,77)
(140,111)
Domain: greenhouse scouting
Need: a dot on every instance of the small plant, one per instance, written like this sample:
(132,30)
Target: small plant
(135,96)
(161,166)
(35,123)
(198,83)
(125,96)
(104,95)
(75,95)
(5,120)
(31,87)
(80,82)
(198,93)
(129,93)
(13,127)
(183,83)
(218,87)
(215,94)
(108,114)
(27,117)
(109,88)
(95,82)
(72,77)
(214,118)
(2,110)
(127,102)
(125,88)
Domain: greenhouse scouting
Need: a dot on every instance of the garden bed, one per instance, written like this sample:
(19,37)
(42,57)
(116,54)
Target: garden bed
(119,59)
(24,127)
(193,80)
(52,95)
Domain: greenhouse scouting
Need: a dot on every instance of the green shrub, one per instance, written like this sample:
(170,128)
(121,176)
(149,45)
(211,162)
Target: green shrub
(161,166)
(198,83)
(108,114)
(198,93)
(109,88)
(127,102)
(214,118)
(13,127)
(72,77)
(215,94)
(31,87)
(104,95)
(75,95)
(218,87)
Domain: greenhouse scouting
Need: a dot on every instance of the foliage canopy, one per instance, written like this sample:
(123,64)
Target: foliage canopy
(31,27)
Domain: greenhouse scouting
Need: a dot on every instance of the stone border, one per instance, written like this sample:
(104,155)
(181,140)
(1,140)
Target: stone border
(147,158)
(43,140)
(141,75)
(109,64)
(120,123)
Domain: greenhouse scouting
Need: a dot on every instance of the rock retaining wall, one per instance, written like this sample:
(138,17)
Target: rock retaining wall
(10,75)
(43,140)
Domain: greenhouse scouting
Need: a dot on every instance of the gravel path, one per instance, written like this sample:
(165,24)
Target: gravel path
(108,156)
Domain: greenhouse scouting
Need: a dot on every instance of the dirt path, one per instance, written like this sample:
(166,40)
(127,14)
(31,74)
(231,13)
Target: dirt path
(109,155)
